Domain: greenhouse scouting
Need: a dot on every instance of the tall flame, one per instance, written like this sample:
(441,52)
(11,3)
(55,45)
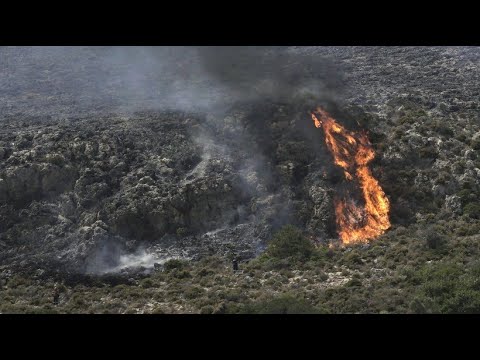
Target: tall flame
(352,152)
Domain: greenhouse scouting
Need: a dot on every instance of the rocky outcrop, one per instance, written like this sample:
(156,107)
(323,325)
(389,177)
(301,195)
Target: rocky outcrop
(154,180)
(84,184)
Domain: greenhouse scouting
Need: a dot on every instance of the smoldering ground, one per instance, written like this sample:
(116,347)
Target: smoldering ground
(75,82)
(111,257)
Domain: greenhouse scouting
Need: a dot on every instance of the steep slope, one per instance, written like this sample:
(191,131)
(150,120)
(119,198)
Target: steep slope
(87,185)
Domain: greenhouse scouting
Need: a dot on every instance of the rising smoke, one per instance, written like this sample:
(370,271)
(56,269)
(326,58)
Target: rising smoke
(70,82)
(276,73)
(112,256)
(74,81)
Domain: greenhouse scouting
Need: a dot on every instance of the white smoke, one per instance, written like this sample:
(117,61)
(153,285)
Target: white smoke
(140,259)
(112,257)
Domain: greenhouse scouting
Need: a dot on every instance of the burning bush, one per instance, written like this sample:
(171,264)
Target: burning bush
(352,151)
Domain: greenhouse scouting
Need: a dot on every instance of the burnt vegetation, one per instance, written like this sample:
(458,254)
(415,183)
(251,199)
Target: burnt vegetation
(400,273)
(253,182)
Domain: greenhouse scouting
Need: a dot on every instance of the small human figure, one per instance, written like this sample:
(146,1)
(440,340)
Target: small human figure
(56,294)
(235,265)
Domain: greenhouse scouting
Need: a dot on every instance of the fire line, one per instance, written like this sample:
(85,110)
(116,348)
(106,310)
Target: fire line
(352,151)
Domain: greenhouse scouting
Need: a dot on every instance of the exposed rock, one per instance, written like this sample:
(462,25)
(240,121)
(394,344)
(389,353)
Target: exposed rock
(454,204)
(83,183)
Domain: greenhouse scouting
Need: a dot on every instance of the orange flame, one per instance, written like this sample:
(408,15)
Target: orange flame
(352,152)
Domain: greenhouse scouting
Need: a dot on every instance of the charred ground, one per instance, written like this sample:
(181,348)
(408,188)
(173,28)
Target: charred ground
(88,192)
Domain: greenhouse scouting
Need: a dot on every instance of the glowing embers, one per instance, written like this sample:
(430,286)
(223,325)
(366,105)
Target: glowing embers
(352,151)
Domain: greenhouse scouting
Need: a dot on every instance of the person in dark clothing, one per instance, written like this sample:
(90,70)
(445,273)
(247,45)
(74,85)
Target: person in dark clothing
(235,265)
(56,294)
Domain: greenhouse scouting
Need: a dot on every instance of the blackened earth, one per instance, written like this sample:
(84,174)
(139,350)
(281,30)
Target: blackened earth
(88,185)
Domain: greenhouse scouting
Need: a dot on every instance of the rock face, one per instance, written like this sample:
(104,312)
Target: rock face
(82,187)
(172,183)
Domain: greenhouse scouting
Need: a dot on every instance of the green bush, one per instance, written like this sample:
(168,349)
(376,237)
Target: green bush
(17,281)
(461,137)
(475,144)
(177,269)
(289,242)
(146,283)
(285,304)
(276,264)
(181,232)
(463,301)
(205,271)
(194,292)
(417,307)
(465,196)
(472,210)
(434,239)
(354,282)
(174,264)
(442,128)
(353,258)
(180,274)
(208,309)
(447,288)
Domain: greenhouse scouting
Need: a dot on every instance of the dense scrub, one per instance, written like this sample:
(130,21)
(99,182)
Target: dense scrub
(80,189)
(398,273)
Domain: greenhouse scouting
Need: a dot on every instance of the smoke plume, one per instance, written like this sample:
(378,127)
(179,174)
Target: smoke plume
(76,81)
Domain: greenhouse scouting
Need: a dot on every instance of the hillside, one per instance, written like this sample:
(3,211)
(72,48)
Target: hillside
(133,193)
